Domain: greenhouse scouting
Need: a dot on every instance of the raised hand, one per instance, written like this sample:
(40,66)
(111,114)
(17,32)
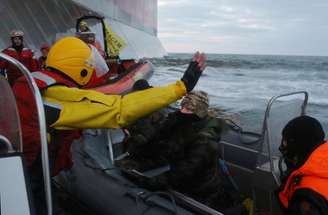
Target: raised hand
(194,71)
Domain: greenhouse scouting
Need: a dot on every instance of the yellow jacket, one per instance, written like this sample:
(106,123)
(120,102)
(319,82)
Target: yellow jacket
(90,109)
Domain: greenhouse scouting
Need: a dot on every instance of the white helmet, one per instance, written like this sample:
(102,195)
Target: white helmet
(16,33)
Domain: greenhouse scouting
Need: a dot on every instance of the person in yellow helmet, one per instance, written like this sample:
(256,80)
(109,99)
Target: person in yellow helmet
(70,65)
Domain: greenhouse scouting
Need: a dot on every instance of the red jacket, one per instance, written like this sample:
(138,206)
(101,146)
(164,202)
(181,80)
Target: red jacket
(312,175)
(26,57)
(60,142)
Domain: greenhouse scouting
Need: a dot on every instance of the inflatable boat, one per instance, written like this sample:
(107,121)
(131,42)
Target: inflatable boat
(252,159)
(95,185)
(123,81)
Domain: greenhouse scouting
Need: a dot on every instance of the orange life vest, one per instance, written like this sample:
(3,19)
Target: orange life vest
(312,175)
(45,79)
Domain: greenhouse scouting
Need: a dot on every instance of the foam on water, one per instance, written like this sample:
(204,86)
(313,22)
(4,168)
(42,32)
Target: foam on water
(244,83)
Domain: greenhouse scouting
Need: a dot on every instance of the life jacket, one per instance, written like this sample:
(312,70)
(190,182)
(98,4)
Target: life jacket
(45,79)
(60,143)
(26,57)
(312,175)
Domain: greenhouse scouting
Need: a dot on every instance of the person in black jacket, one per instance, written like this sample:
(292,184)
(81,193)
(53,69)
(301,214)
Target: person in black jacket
(304,190)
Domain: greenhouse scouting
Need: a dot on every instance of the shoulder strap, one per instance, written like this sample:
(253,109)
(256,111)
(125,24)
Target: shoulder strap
(45,79)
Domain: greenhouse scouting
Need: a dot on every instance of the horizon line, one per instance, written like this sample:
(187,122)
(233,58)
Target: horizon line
(291,55)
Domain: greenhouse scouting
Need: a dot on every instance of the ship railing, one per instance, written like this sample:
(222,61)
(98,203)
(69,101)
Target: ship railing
(255,166)
(273,124)
(5,145)
(42,127)
(10,123)
(279,111)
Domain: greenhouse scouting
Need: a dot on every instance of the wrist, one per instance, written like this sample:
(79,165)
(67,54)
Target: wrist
(181,88)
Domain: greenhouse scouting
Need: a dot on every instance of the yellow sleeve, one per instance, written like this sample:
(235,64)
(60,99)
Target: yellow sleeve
(91,109)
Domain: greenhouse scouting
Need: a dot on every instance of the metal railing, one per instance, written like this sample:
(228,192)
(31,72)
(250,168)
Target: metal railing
(266,132)
(42,127)
(9,146)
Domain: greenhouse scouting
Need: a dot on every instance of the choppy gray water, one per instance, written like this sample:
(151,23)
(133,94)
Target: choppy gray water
(243,84)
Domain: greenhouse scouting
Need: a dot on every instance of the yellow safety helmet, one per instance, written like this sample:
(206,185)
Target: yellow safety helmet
(76,59)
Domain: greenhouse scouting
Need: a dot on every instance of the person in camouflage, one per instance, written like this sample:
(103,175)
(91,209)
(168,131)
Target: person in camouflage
(188,142)
(136,144)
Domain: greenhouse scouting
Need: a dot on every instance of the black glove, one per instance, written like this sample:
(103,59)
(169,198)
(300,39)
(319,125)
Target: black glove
(191,75)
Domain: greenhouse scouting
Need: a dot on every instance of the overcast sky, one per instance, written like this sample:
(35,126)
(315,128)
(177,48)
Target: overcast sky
(292,27)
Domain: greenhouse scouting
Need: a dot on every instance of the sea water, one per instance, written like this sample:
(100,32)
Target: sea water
(243,84)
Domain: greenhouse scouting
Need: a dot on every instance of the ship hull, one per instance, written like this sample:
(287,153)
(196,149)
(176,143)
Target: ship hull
(47,20)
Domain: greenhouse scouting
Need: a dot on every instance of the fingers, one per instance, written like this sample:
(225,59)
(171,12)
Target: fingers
(200,58)
(196,57)
(203,67)
(202,61)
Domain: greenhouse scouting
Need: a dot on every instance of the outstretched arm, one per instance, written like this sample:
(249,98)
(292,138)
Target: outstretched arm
(90,109)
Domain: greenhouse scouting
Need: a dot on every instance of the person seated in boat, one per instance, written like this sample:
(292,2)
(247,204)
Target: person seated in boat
(304,187)
(188,142)
(136,133)
(21,53)
(72,64)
